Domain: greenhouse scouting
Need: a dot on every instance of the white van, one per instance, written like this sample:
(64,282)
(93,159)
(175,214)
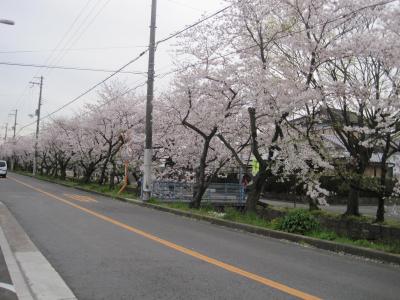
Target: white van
(3,168)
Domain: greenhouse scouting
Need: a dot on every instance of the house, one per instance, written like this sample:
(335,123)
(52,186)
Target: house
(333,143)
(324,129)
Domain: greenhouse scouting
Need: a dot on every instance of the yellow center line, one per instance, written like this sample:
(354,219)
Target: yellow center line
(80,198)
(268,282)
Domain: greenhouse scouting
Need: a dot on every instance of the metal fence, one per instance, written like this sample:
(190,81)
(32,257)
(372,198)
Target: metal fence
(183,192)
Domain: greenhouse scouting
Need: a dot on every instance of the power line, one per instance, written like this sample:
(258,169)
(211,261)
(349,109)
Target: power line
(65,35)
(88,90)
(72,41)
(71,49)
(122,94)
(113,98)
(67,68)
(60,42)
(65,40)
(120,69)
(192,25)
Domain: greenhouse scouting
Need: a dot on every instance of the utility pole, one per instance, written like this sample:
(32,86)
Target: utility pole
(37,113)
(15,122)
(148,151)
(5,136)
(15,129)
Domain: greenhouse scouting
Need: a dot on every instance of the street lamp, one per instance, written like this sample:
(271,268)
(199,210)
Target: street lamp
(7,22)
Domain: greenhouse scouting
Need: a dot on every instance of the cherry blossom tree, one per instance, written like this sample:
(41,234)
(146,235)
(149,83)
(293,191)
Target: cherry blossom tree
(198,106)
(279,53)
(114,119)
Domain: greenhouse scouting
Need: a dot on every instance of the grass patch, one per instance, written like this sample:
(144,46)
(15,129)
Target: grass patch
(386,246)
(323,235)
(392,223)
(205,209)
(177,205)
(392,246)
(234,215)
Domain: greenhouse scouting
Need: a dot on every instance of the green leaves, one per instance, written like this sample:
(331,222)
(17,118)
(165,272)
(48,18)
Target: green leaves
(299,221)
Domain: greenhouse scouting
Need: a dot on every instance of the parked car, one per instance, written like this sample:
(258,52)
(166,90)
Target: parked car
(3,168)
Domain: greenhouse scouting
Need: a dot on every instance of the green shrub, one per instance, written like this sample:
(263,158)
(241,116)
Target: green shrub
(299,221)
(276,223)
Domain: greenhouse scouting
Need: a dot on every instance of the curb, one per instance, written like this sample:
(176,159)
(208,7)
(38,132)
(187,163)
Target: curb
(31,273)
(318,243)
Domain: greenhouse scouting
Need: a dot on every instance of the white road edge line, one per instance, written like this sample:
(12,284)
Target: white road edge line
(21,288)
(8,286)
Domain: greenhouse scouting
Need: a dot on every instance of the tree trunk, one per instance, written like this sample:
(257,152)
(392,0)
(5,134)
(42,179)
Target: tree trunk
(88,174)
(380,212)
(54,171)
(312,206)
(259,180)
(201,184)
(63,172)
(255,191)
(41,169)
(355,184)
(352,202)
(86,177)
(112,176)
(197,196)
(103,172)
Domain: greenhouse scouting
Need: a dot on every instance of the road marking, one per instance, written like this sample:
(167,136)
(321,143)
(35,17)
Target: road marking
(263,280)
(7,286)
(81,198)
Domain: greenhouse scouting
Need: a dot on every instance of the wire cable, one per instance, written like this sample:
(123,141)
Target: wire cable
(192,25)
(119,70)
(68,68)
(70,49)
(72,41)
(87,91)
(60,42)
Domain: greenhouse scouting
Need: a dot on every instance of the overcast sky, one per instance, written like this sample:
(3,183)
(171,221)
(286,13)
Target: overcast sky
(100,34)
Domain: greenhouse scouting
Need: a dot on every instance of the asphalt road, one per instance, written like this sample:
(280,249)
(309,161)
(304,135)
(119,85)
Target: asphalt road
(106,249)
